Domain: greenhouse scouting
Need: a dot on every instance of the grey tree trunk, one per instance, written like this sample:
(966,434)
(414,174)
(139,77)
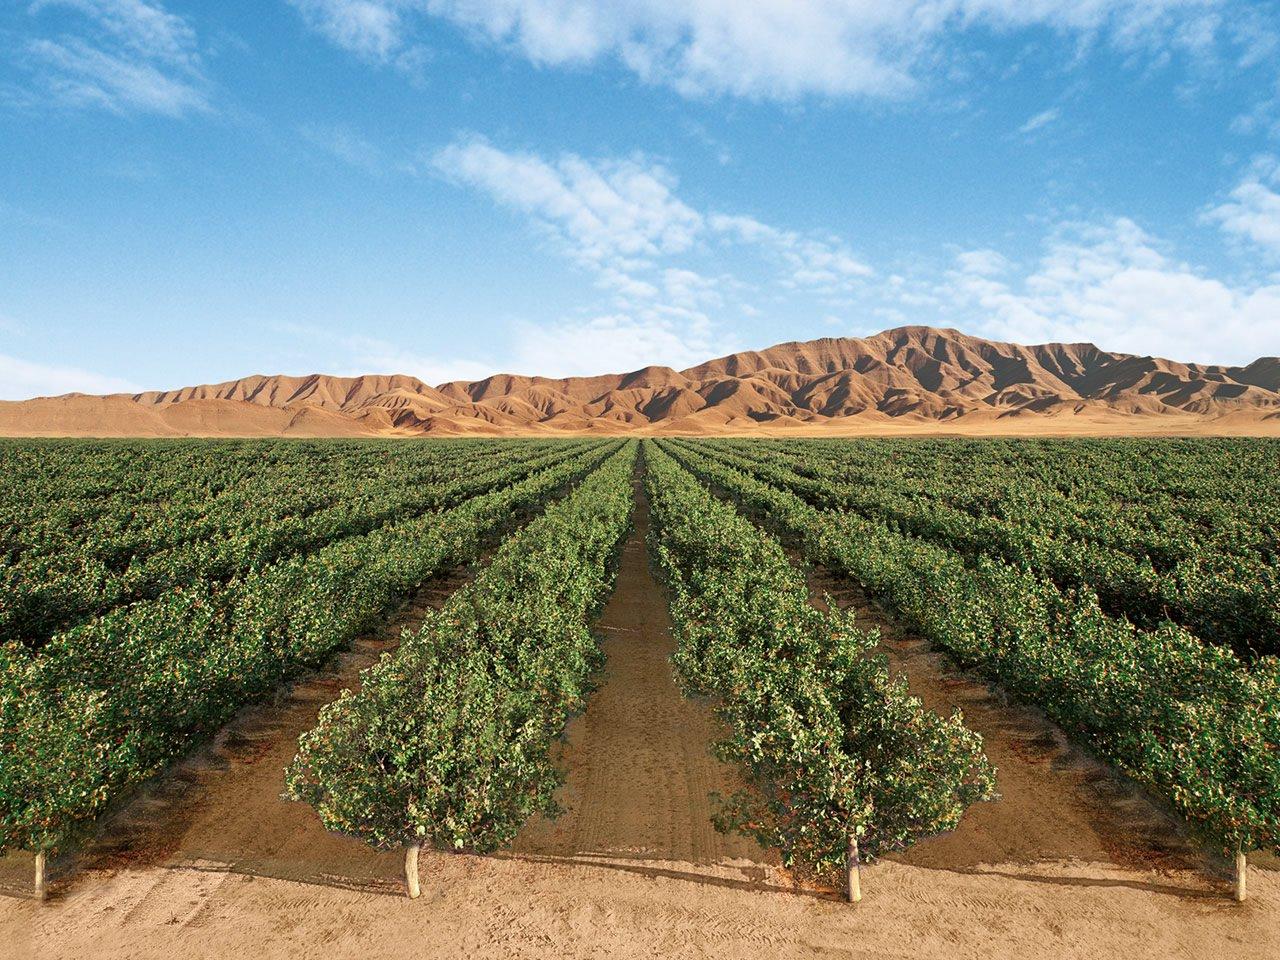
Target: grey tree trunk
(853,880)
(411,869)
(1242,866)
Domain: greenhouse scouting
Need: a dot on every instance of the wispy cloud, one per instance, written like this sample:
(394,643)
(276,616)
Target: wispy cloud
(618,218)
(1110,283)
(25,218)
(357,354)
(776,49)
(613,343)
(80,75)
(982,263)
(373,355)
(1107,282)
(566,347)
(824,264)
(1252,211)
(125,56)
(606,212)
(374,30)
(370,28)
(624,220)
(23,379)
(1040,120)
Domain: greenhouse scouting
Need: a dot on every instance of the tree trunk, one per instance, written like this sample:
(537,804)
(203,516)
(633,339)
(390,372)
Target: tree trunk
(1242,865)
(853,881)
(41,888)
(411,869)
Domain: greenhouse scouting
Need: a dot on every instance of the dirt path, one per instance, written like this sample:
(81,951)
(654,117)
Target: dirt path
(223,868)
(1057,802)
(638,764)
(219,811)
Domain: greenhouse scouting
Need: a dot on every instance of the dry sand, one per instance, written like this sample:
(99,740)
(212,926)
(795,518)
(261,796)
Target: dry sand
(1072,862)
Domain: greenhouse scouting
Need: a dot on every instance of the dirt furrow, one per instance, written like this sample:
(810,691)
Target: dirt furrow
(219,809)
(638,762)
(1057,801)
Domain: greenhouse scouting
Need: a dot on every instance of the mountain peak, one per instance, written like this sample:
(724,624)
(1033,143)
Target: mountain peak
(904,379)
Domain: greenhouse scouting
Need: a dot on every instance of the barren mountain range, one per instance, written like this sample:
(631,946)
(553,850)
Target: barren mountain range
(910,379)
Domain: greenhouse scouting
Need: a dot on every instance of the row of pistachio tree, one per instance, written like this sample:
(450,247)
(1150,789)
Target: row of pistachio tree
(122,501)
(41,595)
(840,760)
(448,741)
(107,704)
(1189,719)
(1220,590)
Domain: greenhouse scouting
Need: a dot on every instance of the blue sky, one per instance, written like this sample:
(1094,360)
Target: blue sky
(192,192)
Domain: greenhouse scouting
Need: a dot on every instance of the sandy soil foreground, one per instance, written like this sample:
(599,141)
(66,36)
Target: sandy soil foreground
(1072,862)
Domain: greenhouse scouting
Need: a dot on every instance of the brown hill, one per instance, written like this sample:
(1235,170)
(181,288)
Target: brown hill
(907,380)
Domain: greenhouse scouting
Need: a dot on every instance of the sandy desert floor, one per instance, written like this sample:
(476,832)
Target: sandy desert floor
(209,862)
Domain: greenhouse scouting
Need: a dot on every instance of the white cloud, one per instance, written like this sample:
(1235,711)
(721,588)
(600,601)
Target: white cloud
(605,211)
(1253,210)
(1040,120)
(23,379)
(983,263)
(374,30)
(80,75)
(780,49)
(690,290)
(119,55)
(624,221)
(614,343)
(718,148)
(362,354)
(1263,117)
(568,347)
(138,24)
(628,287)
(371,355)
(1110,284)
(1107,283)
(367,27)
(826,265)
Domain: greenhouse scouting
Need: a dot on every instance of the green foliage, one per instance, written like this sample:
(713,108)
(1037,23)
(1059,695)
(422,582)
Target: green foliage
(1182,530)
(830,743)
(448,741)
(106,704)
(207,511)
(1190,719)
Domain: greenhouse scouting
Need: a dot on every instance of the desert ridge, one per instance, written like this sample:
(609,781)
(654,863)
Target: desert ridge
(909,380)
